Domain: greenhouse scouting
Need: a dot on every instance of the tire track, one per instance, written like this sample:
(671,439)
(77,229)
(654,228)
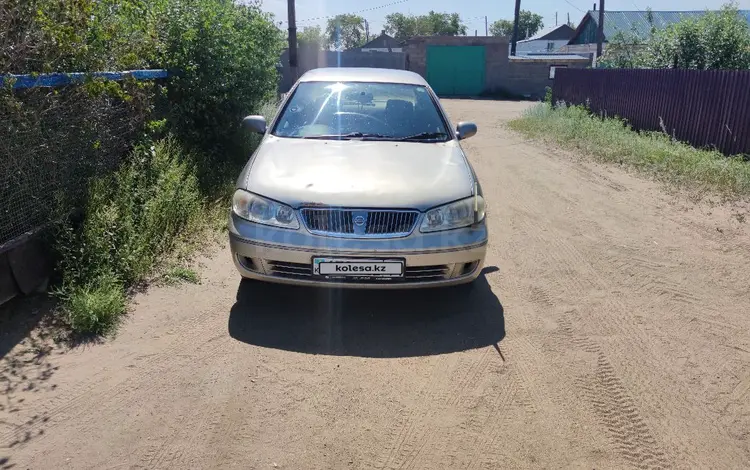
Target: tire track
(615,408)
(190,424)
(409,429)
(450,399)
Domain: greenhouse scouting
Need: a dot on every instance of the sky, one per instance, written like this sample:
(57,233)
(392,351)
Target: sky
(472,12)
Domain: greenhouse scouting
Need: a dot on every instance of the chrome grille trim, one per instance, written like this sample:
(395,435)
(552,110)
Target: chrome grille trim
(411,273)
(340,222)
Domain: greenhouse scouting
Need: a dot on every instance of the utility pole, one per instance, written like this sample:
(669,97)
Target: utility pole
(367,31)
(600,32)
(515,29)
(555,18)
(486,30)
(292,40)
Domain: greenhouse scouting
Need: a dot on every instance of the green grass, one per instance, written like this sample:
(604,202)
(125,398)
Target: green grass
(152,212)
(180,274)
(95,308)
(656,153)
(133,219)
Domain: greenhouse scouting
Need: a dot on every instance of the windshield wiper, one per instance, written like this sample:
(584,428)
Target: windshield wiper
(351,135)
(425,136)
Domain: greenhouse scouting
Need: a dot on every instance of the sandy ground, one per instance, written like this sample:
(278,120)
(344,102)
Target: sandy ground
(611,330)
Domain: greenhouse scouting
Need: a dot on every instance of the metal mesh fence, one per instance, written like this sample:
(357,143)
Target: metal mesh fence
(52,142)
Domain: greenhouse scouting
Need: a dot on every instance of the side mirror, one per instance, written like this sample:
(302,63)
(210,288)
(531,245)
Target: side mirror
(255,124)
(466,130)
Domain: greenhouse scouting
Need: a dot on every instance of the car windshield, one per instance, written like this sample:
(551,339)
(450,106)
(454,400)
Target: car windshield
(348,110)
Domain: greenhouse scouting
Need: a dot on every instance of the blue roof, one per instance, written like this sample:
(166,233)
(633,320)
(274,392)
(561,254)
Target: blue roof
(637,21)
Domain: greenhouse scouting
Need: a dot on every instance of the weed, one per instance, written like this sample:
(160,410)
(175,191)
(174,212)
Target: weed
(179,274)
(95,308)
(132,218)
(613,140)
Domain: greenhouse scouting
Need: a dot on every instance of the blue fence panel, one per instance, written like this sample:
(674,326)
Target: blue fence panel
(60,79)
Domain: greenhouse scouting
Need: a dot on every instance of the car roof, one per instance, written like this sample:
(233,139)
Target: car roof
(362,74)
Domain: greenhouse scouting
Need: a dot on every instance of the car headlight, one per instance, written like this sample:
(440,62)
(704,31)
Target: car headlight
(454,215)
(258,209)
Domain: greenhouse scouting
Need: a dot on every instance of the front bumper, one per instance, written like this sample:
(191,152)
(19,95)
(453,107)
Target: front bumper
(285,256)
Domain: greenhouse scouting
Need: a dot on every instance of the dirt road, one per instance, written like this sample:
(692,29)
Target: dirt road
(611,330)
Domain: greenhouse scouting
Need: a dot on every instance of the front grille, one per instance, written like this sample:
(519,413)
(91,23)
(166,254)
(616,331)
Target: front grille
(411,273)
(356,223)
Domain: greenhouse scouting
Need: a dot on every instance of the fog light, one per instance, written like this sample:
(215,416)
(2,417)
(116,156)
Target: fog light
(469,268)
(248,263)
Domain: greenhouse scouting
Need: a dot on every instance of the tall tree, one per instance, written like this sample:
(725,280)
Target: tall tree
(528,25)
(312,36)
(444,24)
(346,31)
(403,26)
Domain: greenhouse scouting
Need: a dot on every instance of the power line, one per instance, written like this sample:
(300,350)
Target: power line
(353,12)
(566,1)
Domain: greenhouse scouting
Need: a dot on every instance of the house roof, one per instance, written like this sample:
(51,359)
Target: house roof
(556,32)
(637,22)
(382,42)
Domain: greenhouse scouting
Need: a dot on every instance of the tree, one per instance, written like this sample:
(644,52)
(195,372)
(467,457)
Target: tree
(528,25)
(716,40)
(345,31)
(312,36)
(443,24)
(403,26)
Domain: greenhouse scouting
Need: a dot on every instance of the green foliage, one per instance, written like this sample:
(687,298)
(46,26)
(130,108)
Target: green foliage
(402,26)
(716,40)
(226,55)
(346,31)
(95,308)
(132,217)
(312,36)
(548,95)
(179,274)
(656,153)
(528,25)
(222,55)
(80,35)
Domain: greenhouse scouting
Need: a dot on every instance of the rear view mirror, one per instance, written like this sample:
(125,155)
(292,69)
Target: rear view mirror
(255,123)
(465,130)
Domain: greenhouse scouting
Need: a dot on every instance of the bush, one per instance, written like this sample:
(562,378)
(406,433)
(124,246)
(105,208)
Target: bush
(716,40)
(222,57)
(613,140)
(131,219)
(226,55)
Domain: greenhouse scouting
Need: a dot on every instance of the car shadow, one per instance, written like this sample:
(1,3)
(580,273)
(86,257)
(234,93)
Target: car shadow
(366,323)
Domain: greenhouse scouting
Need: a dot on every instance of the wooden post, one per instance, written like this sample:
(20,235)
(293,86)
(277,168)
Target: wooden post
(515,29)
(600,31)
(292,40)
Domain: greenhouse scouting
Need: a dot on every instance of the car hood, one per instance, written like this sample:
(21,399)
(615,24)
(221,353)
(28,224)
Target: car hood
(356,173)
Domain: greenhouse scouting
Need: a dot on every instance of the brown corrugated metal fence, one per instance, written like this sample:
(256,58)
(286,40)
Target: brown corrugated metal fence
(706,108)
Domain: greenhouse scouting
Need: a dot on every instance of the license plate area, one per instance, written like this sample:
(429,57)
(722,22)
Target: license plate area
(363,268)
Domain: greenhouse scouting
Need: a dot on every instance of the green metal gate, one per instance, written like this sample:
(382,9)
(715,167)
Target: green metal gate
(456,70)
